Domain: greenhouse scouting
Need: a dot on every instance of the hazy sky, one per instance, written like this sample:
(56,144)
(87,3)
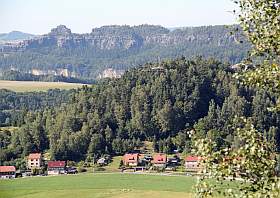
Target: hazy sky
(39,16)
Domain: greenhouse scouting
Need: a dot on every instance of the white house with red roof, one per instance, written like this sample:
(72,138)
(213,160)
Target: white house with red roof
(56,167)
(131,159)
(34,160)
(192,164)
(7,172)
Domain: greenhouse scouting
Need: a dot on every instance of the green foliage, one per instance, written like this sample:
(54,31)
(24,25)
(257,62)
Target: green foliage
(14,106)
(121,165)
(157,102)
(251,159)
(20,76)
(252,165)
(260,22)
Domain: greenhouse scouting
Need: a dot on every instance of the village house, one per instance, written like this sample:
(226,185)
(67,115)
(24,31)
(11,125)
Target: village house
(34,160)
(159,160)
(7,172)
(56,167)
(192,164)
(131,159)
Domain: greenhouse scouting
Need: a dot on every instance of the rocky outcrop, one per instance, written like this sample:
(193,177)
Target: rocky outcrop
(111,73)
(57,72)
(121,37)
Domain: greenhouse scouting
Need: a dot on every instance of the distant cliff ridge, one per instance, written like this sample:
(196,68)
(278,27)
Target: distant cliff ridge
(118,47)
(15,35)
(122,37)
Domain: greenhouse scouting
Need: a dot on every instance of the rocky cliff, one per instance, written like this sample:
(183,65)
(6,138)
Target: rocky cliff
(123,37)
(118,47)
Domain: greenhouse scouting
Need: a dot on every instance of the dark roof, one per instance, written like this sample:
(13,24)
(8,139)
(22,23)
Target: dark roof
(56,164)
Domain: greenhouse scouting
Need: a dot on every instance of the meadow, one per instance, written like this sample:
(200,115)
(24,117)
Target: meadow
(106,185)
(28,86)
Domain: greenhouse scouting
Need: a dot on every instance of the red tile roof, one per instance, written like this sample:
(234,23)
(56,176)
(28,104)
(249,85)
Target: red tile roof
(5,169)
(131,158)
(34,156)
(159,158)
(56,164)
(192,159)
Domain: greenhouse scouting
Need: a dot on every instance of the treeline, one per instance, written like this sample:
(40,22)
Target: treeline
(156,102)
(21,76)
(15,105)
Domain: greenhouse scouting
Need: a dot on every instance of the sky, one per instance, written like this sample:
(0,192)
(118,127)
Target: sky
(40,16)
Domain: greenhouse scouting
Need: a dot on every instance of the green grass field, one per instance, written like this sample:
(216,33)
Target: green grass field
(24,86)
(115,185)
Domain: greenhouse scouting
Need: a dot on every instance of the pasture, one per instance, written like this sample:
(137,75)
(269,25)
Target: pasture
(107,185)
(28,86)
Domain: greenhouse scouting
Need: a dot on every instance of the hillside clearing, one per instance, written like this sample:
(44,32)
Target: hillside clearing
(28,86)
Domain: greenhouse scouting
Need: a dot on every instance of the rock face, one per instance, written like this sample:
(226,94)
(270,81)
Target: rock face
(118,37)
(57,72)
(60,30)
(111,73)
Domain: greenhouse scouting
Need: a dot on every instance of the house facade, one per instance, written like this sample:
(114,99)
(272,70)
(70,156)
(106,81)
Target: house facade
(7,172)
(34,160)
(131,159)
(159,160)
(192,164)
(56,167)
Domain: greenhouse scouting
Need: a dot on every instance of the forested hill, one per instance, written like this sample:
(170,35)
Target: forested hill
(117,47)
(14,36)
(157,102)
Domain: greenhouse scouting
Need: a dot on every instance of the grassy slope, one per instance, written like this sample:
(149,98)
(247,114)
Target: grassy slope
(22,86)
(114,165)
(98,185)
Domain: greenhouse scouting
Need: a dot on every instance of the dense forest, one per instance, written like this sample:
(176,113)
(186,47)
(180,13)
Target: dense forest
(15,105)
(158,102)
(120,47)
(21,76)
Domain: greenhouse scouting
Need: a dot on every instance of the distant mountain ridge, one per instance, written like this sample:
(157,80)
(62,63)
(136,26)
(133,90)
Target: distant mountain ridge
(118,47)
(15,35)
